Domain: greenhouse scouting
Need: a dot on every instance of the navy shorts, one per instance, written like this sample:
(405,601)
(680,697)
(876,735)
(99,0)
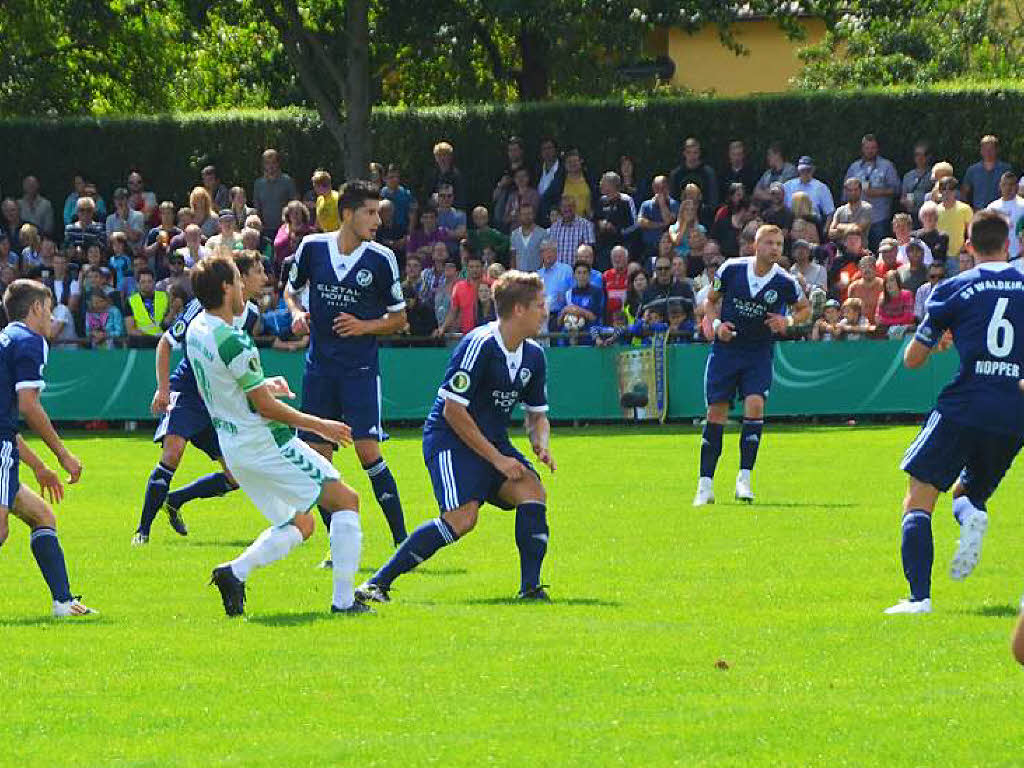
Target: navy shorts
(9,484)
(459,475)
(740,370)
(187,417)
(944,450)
(353,398)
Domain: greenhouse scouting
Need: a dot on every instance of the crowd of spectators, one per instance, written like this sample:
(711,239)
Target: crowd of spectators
(623,253)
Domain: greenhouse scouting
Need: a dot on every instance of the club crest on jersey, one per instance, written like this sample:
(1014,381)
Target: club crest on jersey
(460,382)
(770,297)
(179,328)
(364,277)
(524,376)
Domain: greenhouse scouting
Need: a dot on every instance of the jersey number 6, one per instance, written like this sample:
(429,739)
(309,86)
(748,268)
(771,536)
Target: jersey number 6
(1000,331)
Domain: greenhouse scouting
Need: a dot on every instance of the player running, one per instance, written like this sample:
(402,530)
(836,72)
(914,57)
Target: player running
(466,445)
(975,431)
(754,292)
(282,475)
(184,418)
(355,295)
(23,352)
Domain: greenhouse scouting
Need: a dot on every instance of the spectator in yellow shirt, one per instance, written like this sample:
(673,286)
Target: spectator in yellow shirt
(327,217)
(954,217)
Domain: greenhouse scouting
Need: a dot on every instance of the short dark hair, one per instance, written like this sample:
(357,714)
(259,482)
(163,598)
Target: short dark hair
(776,148)
(870,137)
(209,277)
(144,271)
(355,193)
(246,260)
(988,233)
(515,288)
(579,264)
(474,256)
(21,295)
(208,169)
(516,140)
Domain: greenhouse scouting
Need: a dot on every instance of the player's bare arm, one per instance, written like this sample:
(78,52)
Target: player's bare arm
(539,429)
(466,428)
(712,309)
(37,420)
(50,485)
(300,317)
(272,409)
(781,323)
(916,354)
(349,325)
(162,396)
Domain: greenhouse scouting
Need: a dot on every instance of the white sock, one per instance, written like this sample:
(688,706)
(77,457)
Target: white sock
(271,545)
(963,508)
(346,545)
(744,475)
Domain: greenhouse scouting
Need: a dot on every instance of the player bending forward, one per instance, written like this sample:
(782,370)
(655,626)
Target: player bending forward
(23,352)
(754,293)
(283,476)
(466,445)
(975,431)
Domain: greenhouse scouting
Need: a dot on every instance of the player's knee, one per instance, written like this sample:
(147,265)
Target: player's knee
(337,495)
(1017,646)
(172,453)
(367,451)
(306,525)
(462,520)
(753,407)
(718,413)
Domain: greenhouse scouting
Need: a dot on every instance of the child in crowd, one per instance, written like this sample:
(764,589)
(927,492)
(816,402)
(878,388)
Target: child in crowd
(825,328)
(854,326)
(103,322)
(120,258)
(30,241)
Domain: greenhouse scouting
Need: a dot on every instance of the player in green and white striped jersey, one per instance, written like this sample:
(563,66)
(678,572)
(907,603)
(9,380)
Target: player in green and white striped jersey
(282,475)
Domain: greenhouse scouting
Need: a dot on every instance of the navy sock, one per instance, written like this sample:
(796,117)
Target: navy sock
(419,546)
(325,515)
(386,490)
(918,552)
(750,441)
(532,541)
(206,487)
(710,448)
(50,558)
(156,493)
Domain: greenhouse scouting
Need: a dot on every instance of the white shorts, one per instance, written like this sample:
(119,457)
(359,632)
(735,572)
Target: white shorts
(282,481)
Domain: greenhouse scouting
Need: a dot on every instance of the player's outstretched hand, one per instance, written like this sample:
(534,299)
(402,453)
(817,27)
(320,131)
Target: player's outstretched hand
(544,457)
(161,399)
(278,387)
(349,325)
(72,466)
(776,322)
(50,486)
(726,331)
(300,323)
(510,467)
(335,431)
(945,342)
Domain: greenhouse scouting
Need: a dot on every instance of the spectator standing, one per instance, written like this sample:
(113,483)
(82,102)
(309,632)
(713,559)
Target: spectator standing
(202,211)
(1011,205)
(445,172)
(84,232)
(981,180)
(888,257)
(71,201)
(929,234)
(779,171)
(425,231)
(328,219)
(120,261)
(450,218)
(918,181)
(147,310)
(914,273)
(228,236)
(550,179)
(103,322)
(810,274)
(615,281)
(576,184)
(902,231)
(954,216)
(34,208)
(193,251)
(29,259)
(521,193)
(557,277)
(159,238)
(570,231)
(11,223)
(239,206)
(727,231)
(936,274)
(631,185)
(294,227)
(881,185)
(821,198)
(399,196)
(867,287)
(177,279)
(614,218)
(437,257)
(853,211)
(127,220)
(738,169)
(443,294)
(462,316)
(774,211)
(524,244)
(389,233)
(803,210)
(271,193)
(656,216)
(142,200)
(693,170)
(218,191)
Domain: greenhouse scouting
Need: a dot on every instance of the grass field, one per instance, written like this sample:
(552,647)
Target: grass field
(620,670)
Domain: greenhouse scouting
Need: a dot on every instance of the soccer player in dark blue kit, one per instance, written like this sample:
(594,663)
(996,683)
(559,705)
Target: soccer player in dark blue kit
(465,439)
(23,352)
(355,295)
(977,426)
(754,293)
(184,418)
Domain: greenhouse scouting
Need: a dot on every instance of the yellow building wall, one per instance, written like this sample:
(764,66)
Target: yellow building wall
(703,63)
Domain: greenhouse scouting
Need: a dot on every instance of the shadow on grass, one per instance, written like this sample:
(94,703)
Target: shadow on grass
(794,504)
(51,621)
(589,601)
(424,571)
(232,544)
(288,619)
(994,611)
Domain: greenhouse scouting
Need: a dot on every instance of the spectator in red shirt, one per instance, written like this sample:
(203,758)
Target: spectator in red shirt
(462,316)
(616,280)
(895,313)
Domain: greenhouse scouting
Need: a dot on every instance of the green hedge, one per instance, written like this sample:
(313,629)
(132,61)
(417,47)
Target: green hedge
(170,149)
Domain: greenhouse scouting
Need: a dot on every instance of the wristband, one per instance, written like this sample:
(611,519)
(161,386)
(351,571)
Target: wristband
(714,325)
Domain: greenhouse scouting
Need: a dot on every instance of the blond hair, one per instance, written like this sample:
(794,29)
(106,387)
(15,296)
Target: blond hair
(801,205)
(515,288)
(199,200)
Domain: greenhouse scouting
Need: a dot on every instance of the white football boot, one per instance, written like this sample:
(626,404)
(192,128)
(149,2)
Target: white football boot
(910,606)
(73,607)
(705,492)
(968,549)
(743,490)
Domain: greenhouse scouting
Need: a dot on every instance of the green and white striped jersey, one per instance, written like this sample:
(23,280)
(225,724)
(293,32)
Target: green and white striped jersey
(227,365)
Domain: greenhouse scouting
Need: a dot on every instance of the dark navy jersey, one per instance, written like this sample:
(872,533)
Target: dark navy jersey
(489,380)
(365,284)
(22,361)
(984,309)
(182,377)
(747,299)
